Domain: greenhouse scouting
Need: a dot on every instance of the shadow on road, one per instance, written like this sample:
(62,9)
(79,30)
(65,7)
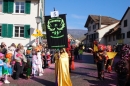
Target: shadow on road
(44,82)
(106,82)
(86,59)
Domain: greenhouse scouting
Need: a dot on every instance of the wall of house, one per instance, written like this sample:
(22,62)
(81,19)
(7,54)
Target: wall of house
(103,31)
(126,29)
(21,19)
(111,42)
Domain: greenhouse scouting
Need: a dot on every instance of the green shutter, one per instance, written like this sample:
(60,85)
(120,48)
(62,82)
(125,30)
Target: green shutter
(10,30)
(26,31)
(5,6)
(27,7)
(4,30)
(10,6)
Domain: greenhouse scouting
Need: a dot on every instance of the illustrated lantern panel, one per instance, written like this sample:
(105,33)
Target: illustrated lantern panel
(56,30)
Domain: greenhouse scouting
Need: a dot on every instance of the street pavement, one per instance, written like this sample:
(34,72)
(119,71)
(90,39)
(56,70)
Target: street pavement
(85,74)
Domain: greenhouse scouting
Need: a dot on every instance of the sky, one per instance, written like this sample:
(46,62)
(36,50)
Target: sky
(78,10)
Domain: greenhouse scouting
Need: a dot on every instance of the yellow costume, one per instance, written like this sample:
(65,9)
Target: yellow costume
(62,70)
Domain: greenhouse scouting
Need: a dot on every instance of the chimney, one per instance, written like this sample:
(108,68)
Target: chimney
(99,21)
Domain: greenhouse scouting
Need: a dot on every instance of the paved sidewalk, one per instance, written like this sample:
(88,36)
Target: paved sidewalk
(85,74)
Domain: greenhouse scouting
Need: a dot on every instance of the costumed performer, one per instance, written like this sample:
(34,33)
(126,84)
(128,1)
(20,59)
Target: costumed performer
(39,56)
(109,60)
(122,67)
(95,50)
(1,65)
(34,63)
(100,61)
(62,68)
(48,56)
(9,56)
(72,58)
(68,49)
(5,70)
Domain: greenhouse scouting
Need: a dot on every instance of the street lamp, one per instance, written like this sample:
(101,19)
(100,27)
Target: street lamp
(38,20)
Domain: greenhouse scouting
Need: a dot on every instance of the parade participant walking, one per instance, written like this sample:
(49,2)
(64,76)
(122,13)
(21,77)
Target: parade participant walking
(95,50)
(62,68)
(122,67)
(100,61)
(76,55)
(80,52)
(109,61)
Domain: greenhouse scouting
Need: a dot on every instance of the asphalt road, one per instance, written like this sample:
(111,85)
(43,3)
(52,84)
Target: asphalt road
(85,74)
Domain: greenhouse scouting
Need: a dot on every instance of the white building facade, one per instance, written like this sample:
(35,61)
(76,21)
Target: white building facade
(97,26)
(125,27)
(103,31)
(17,21)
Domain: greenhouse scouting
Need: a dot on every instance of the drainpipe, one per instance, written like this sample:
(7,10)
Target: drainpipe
(38,23)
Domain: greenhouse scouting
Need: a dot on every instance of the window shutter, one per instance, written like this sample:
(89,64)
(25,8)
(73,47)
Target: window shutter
(10,30)
(26,31)
(10,6)
(5,6)
(4,30)
(27,7)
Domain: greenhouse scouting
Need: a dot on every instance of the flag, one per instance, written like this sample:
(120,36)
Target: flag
(95,48)
(111,54)
(38,33)
(56,31)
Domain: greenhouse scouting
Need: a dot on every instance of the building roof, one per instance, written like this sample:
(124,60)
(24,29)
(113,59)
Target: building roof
(106,26)
(82,38)
(105,20)
(113,30)
(124,15)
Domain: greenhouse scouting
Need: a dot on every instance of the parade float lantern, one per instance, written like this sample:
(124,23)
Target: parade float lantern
(56,31)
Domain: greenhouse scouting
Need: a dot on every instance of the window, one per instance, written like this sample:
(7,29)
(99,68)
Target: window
(1,6)
(89,28)
(128,34)
(109,38)
(19,7)
(94,26)
(113,37)
(125,23)
(123,35)
(19,31)
(91,21)
(97,35)
(0,30)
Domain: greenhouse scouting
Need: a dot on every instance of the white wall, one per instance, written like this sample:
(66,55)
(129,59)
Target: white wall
(111,42)
(126,29)
(103,31)
(21,19)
